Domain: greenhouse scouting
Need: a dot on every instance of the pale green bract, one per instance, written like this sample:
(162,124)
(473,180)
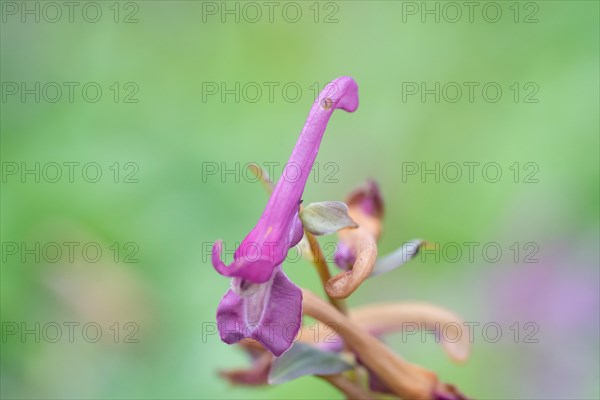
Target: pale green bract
(303,359)
(326,217)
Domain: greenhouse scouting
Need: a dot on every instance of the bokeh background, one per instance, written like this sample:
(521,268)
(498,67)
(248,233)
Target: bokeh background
(157,210)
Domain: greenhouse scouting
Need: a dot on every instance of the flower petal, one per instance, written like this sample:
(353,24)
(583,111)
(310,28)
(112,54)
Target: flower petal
(344,256)
(254,266)
(301,360)
(297,231)
(381,319)
(357,248)
(272,314)
(397,258)
(404,379)
(321,336)
(368,198)
(283,203)
(326,217)
(345,283)
(276,230)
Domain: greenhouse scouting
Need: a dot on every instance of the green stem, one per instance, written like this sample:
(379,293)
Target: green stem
(323,270)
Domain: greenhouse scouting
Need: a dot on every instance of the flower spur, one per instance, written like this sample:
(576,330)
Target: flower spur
(262,298)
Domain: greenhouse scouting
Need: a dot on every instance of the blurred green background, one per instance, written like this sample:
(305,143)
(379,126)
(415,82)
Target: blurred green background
(155,213)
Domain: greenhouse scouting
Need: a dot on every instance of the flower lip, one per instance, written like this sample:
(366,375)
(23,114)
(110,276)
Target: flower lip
(272,315)
(254,270)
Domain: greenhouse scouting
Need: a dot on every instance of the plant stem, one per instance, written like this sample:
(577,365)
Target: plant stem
(323,270)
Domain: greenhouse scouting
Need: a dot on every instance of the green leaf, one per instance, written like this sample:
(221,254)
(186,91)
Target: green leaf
(303,359)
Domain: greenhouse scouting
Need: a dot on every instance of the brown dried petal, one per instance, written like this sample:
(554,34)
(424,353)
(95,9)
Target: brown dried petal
(404,379)
(391,317)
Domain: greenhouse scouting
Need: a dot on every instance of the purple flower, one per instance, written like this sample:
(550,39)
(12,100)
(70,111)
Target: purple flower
(357,252)
(262,303)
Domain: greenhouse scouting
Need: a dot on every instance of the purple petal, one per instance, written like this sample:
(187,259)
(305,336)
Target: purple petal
(266,246)
(254,266)
(296,232)
(344,257)
(340,93)
(272,314)
(332,343)
(368,197)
